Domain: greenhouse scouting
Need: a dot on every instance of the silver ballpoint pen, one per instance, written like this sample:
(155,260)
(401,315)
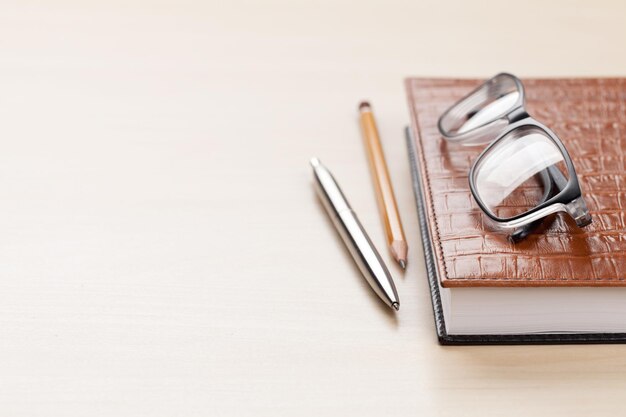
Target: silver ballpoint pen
(361,247)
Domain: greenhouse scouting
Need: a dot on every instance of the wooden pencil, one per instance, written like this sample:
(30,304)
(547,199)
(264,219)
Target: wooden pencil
(382,183)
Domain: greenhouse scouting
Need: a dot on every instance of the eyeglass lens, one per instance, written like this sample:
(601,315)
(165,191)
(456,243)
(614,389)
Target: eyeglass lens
(494,109)
(523,169)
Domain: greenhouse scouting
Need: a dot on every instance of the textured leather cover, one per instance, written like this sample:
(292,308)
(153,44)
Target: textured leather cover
(433,278)
(589,115)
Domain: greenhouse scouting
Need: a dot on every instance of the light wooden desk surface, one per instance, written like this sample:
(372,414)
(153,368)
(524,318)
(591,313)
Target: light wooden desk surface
(162,252)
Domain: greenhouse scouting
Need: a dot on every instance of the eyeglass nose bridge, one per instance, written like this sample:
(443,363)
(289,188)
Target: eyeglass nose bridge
(518,113)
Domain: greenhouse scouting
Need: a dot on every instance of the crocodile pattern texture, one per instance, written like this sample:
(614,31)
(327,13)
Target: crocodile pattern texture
(589,116)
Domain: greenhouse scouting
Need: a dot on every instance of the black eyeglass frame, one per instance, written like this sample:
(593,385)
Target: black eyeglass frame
(569,197)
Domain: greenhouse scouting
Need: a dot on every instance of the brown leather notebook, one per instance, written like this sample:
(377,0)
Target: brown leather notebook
(589,115)
(464,255)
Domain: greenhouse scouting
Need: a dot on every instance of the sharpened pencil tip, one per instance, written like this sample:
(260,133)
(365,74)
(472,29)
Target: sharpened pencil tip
(402,263)
(396,305)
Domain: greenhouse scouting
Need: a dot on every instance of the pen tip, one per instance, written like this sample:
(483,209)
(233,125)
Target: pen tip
(314,162)
(402,263)
(364,105)
(396,305)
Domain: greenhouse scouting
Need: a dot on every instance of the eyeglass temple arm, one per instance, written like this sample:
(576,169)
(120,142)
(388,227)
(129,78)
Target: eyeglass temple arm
(554,181)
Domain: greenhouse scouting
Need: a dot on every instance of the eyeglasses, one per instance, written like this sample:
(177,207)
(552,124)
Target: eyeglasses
(525,174)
